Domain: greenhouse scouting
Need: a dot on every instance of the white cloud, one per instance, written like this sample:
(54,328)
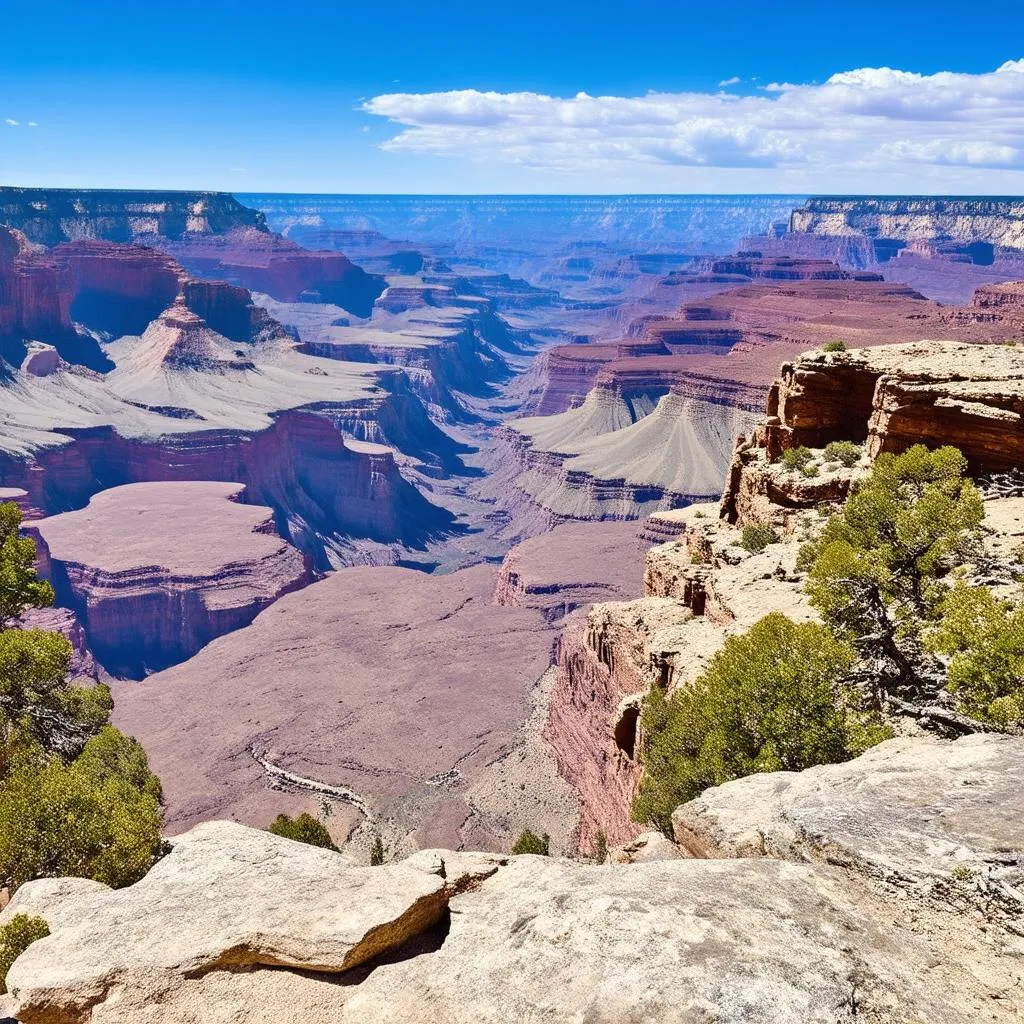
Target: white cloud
(12,122)
(868,121)
(33,124)
(726,82)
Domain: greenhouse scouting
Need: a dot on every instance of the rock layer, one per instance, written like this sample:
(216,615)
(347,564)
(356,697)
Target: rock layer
(155,571)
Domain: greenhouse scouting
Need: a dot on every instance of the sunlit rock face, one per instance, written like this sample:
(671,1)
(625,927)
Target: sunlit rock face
(49,216)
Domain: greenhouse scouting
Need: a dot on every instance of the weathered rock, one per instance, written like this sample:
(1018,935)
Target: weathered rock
(648,847)
(909,811)
(573,565)
(52,215)
(891,397)
(227,897)
(891,222)
(150,594)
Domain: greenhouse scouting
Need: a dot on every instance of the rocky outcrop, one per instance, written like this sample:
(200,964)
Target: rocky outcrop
(974,226)
(573,565)
(270,264)
(934,808)
(51,215)
(831,917)
(889,399)
(699,589)
(150,596)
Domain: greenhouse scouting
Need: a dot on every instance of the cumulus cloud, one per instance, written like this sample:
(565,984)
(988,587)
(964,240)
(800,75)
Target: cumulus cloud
(865,119)
(725,82)
(12,122)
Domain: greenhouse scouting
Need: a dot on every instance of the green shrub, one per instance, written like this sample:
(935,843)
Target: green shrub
(798,458)
(834,346)
(772,699)
(757,536)
(810,470)
(846,453)
(76,796)
(15,937)
(303,829)
(985,636)
(95,817)
(601,846)
(877,568)
(530,842)
(377,852)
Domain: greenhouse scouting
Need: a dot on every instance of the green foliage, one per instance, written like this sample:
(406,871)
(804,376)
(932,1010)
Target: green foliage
(601,846)
(15,937)
(985,637)
(757,536)
(35,699)
(876,570)
(798,458)
(530,842)
(20,587)
(846,453)
(76,796)
(95,817)
(834,346)
(377,852)
(902,530)
(303,829)
(772,699)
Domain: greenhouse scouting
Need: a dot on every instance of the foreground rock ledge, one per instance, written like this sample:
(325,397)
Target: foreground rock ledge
(237,925)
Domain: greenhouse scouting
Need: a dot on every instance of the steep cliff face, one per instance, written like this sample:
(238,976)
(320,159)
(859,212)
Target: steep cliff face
(887,398)
(267,263)
(974,227)
(52,215)
(149,596)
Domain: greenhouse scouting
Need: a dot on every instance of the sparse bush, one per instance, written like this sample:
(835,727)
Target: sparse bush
(303,829)
(810,470)
(773,699)
(600,846)
(797,459)
(696,559)
(15,937)
(834,346)
(757,536)
(530,842)
(985,636)
(846,453)
(377,851)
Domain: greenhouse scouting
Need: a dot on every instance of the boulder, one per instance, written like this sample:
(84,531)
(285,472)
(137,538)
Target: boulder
(226,897)
(909,811)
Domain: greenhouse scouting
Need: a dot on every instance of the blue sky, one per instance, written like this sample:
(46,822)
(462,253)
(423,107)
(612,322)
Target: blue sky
(485,97)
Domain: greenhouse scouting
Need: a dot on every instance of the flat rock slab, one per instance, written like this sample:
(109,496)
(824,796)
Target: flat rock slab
(907,810)
(225,897)
(187,528)
(752,941)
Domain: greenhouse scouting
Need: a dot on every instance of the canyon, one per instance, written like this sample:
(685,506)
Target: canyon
(324,424)
(401,529)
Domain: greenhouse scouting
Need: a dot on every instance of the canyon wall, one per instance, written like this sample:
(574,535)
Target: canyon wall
(149,596)
(974,227)
(48,216)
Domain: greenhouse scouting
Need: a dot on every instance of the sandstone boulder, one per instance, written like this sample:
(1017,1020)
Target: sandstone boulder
(226,897)
(909,811)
